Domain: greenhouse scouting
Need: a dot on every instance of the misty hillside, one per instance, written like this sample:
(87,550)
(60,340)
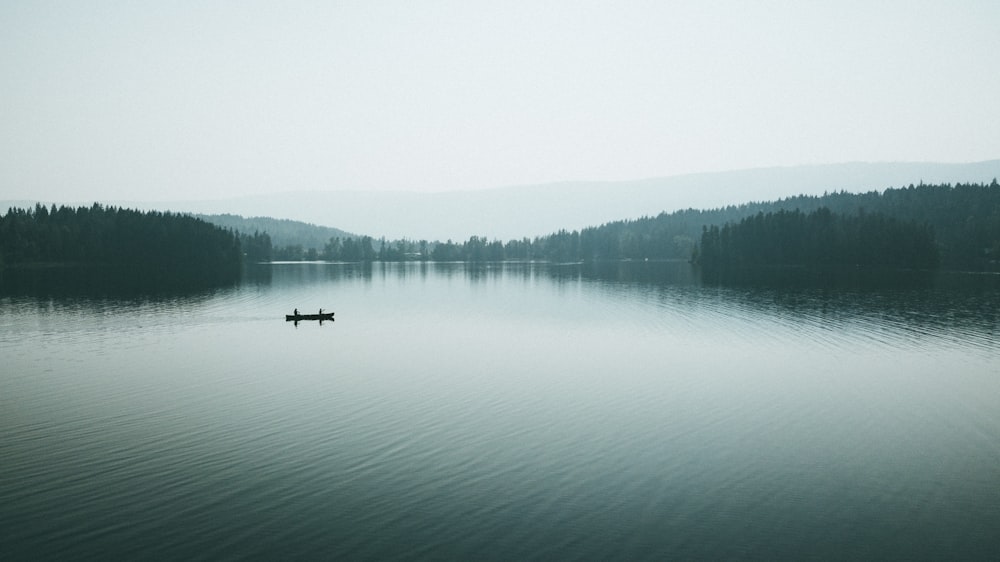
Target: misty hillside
(283,232)
(532,210)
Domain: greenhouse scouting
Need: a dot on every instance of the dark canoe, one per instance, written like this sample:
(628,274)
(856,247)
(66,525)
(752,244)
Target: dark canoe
(297,317)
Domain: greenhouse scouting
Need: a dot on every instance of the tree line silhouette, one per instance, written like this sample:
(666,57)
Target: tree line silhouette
(963,222)
(957,226)
(155,247)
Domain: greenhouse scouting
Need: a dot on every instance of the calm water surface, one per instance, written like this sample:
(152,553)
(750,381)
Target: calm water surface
(503,412)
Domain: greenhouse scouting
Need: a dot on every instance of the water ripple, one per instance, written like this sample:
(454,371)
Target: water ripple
(501,413)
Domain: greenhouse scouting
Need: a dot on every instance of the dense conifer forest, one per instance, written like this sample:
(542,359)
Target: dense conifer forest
(818,238)
(159,248)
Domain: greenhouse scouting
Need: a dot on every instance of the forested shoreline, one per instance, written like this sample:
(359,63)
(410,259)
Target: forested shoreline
(924,226)
(161,249)
(962,221)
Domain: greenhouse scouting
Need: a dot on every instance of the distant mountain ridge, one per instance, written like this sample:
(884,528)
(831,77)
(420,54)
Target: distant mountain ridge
(530,210)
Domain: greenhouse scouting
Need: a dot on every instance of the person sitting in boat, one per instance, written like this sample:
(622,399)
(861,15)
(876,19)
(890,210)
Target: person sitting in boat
(321,312)
(296,312)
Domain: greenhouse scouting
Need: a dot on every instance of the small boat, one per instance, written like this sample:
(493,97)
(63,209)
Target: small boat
(320,317)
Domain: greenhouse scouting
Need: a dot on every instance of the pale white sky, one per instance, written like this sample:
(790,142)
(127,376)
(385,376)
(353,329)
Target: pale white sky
(205,99)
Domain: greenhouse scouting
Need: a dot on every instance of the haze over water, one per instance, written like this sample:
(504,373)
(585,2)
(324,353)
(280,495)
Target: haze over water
(514,411)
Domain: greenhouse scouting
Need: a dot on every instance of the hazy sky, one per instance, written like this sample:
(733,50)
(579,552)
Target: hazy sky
(204,99)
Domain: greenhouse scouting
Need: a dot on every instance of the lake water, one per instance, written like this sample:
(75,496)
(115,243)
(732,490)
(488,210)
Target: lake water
(508,411)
